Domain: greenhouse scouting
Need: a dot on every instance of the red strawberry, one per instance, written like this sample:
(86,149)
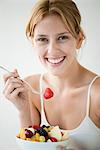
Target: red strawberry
(48,93)
(35,127)
(53,139)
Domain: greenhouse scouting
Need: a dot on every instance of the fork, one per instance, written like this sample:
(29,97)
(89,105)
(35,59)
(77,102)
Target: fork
(32,89)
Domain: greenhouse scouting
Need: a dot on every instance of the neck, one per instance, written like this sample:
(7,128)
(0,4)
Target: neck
(68,79)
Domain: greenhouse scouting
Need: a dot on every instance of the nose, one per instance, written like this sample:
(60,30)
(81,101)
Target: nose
(52,46)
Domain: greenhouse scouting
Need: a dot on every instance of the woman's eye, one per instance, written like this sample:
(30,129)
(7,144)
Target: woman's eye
(62,38)
(42,40)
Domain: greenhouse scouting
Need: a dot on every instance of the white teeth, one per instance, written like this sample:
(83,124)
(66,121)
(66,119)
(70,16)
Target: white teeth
(55,60)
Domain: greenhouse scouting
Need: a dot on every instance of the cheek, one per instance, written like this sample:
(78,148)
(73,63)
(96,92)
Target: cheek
(42,51)
(40,54)
(38,50)
(40,47)
(69,49)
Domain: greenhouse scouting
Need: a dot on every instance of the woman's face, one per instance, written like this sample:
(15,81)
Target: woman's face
(54,44)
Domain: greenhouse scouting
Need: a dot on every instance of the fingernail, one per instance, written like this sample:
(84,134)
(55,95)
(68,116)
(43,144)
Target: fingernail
(15,70)
(59,147)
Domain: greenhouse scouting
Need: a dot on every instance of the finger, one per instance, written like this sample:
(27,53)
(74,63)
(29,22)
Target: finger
(15,72)
(10,88)
(60,147)
(12,74)
(11,84)
(17,91)
(13,80)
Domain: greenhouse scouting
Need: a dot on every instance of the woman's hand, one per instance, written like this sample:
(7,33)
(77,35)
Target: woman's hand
(62,148)
(16,91)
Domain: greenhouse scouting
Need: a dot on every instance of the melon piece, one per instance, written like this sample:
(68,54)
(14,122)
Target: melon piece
(65,136)
(55,132)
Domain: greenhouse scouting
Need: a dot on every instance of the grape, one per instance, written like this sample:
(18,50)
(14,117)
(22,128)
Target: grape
(28,133)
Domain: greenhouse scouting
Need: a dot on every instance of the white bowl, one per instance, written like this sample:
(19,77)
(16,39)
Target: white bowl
(29,145)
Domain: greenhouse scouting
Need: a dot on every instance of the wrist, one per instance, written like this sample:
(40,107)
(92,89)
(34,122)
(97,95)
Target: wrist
(24,118)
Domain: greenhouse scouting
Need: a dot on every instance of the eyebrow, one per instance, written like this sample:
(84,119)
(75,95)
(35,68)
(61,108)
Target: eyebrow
(63,33)
(43,35)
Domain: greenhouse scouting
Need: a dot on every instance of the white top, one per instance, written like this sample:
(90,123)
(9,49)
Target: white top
(87,135)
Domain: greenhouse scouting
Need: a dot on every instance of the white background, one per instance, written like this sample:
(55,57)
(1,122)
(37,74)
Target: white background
(16,52)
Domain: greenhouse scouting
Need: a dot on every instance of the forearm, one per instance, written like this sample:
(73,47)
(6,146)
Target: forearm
(25,119)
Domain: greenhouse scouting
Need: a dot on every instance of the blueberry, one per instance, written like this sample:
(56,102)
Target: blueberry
(44,126)
(42,132)
(47,126)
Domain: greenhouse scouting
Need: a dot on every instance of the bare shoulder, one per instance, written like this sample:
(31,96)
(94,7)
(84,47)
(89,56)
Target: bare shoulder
(33,80)
(96,87)
(95,94)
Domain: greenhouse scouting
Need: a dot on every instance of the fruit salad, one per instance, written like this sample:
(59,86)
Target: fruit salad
(43,134)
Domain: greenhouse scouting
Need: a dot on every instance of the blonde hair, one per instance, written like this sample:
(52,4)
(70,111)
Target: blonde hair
(66,9)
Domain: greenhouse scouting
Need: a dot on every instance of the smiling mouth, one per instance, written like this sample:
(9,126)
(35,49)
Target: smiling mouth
(55,61)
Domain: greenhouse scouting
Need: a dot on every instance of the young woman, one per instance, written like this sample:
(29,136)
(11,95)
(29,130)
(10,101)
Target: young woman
(74,104)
